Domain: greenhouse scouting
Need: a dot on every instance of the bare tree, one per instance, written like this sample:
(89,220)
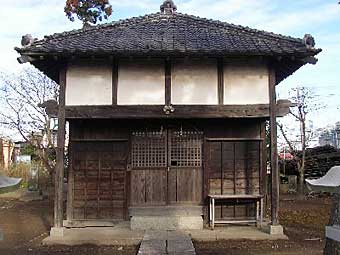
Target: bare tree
(21,97)
(298,138)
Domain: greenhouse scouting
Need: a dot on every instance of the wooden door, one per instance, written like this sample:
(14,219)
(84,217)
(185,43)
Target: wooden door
(166,167)
(148,168)
(185,167)
(99,176)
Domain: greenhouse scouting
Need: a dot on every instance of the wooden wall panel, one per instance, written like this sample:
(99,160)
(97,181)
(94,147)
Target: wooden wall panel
(217,181)
(99,180)
(238,165)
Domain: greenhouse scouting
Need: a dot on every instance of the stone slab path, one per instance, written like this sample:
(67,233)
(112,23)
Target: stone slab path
(166,242)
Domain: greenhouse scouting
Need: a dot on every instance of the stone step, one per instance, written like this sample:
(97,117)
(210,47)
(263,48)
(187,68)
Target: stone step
(166,242)
(186,210)
(166,222)
(171,217)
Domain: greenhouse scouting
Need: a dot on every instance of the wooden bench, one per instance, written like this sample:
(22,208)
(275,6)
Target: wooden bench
(257,199)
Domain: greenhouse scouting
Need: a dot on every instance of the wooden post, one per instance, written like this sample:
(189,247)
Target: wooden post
(59,169)
(220,80)
(70,178)
(114,81)
(273,149)
(167,81)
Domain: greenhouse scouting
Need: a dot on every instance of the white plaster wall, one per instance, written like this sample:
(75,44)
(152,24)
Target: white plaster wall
(245,84)
(141,82)
(194,82)
(89,84)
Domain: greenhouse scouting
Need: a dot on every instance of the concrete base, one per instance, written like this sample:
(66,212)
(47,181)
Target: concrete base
(57,232)
(166,217)
(233,233)
(89,223)
(121,234)
(274,230)
(333,232)
(166,222)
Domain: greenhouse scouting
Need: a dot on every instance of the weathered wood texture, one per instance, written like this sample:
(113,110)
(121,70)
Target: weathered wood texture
(220,80)
(234,168)
(114,81)
(273,150)
(59,168)
(99,170)
(167,82)
(181,111)
(70,179)
(169,168)
(166,168)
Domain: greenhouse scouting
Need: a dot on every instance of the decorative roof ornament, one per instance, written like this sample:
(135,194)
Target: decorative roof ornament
(27,40)
(309,41)
(168,7)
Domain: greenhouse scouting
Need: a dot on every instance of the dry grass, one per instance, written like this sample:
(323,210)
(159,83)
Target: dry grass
(22,170)
(18,171)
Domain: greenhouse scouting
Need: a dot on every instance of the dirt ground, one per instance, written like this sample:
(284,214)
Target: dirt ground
(25,224)
(304,223)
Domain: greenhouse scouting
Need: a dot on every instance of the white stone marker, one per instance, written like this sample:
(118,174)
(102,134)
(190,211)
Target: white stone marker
(330,183)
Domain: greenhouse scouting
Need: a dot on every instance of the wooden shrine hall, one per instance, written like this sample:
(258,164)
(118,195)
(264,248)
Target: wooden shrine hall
(167,115)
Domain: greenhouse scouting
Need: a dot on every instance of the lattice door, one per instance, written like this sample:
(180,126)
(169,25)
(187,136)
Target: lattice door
(185,166)
(166,167)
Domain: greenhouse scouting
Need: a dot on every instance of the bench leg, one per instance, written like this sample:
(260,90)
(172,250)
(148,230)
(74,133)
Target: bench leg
(257,213)
(213,214)
(210,213)
(261,212)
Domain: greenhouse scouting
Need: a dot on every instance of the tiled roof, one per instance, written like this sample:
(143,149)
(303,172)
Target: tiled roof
(174,33)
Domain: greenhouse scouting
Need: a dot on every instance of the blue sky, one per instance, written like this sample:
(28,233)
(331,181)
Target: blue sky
(321,18)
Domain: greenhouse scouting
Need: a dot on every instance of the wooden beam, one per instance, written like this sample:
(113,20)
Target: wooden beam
(70,177)
(273,150)
(167,81)
(59,169)
(181,111)
(220,80)
(114,80)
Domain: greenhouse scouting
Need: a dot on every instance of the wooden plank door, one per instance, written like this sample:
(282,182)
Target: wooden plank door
(185,180)
(148,168)
(99,176)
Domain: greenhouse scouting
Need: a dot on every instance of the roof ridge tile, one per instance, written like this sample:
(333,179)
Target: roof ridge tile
(171,33)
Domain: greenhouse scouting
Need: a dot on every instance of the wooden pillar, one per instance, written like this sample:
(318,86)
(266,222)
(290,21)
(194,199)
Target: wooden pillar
(59,169)
(220,80)
(70,178)
(114,81)
(273,149)
(167,81)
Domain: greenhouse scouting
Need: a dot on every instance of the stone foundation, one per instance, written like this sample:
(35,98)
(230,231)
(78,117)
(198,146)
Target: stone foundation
(166,223)
(274,230)
(166,218)
(57,232)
